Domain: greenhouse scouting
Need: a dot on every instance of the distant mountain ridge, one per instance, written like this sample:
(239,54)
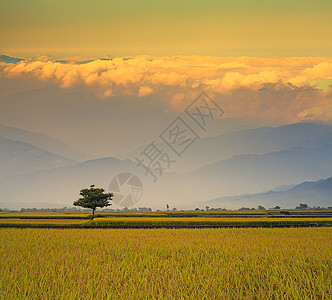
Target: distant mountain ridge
(59,185)
(239,174)
(313,193)
(42,141)
(251,173)
(250,141)
(20,157)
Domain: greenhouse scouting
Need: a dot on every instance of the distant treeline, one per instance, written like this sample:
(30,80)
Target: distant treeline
(148,209)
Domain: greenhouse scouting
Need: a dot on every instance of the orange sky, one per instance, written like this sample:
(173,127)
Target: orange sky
(262,28)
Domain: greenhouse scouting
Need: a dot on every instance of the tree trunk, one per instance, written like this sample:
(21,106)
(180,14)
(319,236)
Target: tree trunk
(93,213)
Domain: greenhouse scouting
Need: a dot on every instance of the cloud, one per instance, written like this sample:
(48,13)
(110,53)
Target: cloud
(168,79)
(247,86)
(275,102)
(320,110)
(321,70)
(144,91)
(222,74)
(233,80)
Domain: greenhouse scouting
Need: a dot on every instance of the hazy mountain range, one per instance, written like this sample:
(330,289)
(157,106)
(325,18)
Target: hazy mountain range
(304,153)
(251,141)
(21,157)
(42,141)
(59,186)
(312,193)
(249,173)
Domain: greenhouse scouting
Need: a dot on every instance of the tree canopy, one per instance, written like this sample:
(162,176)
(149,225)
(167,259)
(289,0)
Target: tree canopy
(93,198)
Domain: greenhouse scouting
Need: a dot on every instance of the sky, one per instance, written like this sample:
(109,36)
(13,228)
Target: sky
(117,72)
(263,28)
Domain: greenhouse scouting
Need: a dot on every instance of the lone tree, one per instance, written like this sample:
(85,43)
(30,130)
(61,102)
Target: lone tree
(93,198)
(302,206)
